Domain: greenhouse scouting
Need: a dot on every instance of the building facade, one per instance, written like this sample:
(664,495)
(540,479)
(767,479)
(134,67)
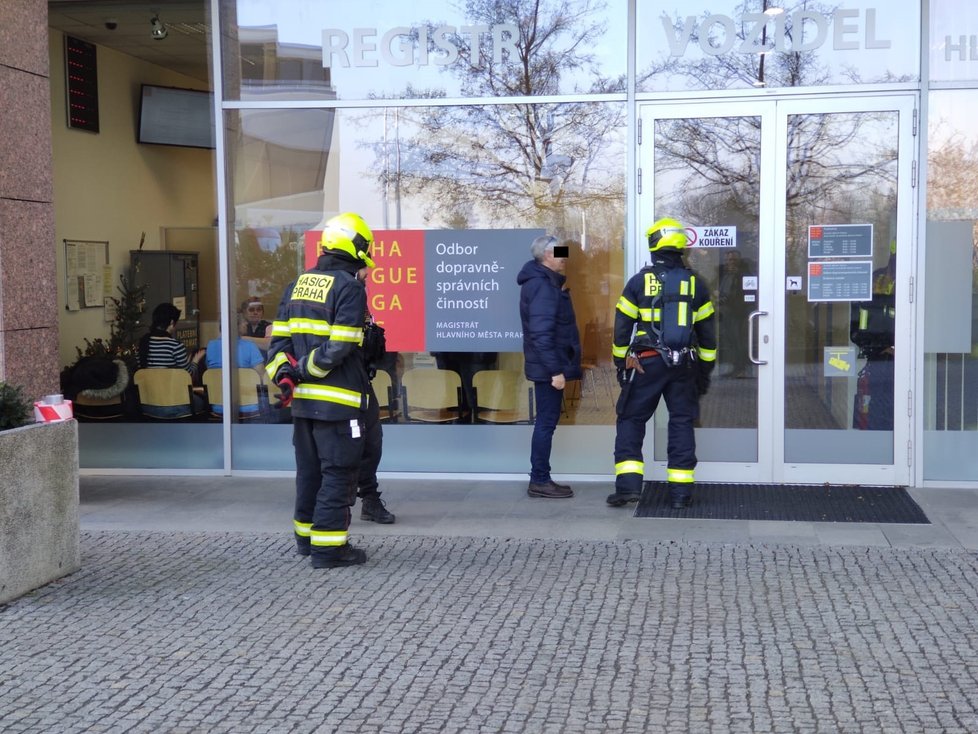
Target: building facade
(820,156)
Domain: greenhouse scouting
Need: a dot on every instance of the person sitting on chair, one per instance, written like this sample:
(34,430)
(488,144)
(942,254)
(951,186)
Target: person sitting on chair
(247,355)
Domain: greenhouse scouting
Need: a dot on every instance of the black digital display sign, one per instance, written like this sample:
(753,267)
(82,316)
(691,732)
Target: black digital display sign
(81,84)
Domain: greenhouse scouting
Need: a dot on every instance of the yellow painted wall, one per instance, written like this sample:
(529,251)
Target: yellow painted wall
(109,187)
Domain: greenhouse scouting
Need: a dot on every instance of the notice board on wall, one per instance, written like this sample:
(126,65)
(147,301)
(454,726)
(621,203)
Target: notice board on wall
(88,275)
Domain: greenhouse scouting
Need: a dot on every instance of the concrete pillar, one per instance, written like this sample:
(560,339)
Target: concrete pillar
(28,289)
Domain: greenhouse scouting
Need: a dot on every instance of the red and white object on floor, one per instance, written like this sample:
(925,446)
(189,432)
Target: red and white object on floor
(52,409)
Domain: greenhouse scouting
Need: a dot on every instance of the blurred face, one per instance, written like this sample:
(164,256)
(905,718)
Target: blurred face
(254,313)
(557,264)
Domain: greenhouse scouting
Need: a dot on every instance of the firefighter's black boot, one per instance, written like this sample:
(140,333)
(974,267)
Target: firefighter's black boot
(345,555)
(680,498)
(372,509)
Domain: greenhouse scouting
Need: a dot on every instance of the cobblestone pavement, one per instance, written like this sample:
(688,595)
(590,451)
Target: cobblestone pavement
(230,632)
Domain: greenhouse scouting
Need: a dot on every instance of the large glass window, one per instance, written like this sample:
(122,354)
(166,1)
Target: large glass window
(388,49)
(950,345)
(454,196)
(743,44)
(953,41)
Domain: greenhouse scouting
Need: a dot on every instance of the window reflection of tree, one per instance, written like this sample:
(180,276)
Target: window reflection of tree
(766,67)
(516,164)
(560,166)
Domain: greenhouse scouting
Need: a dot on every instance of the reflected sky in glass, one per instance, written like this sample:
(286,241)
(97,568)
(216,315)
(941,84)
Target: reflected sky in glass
(378,62)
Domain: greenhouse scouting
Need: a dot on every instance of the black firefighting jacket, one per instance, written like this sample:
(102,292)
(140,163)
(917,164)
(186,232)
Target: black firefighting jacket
(637,315)
(320,323)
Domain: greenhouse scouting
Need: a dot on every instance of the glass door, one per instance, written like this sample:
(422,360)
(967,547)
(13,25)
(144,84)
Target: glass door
(795,209)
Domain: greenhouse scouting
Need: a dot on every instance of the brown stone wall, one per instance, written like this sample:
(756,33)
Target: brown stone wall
(28,288)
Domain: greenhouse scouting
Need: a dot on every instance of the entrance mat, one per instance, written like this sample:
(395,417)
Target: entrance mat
(802,502)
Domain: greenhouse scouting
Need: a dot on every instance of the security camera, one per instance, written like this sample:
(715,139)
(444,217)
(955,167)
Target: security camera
(111,24)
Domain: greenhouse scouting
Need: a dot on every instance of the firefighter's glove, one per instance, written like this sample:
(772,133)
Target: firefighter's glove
(703,371)
(286,379)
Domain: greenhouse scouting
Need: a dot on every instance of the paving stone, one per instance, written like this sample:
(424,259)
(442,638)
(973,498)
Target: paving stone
(192,632)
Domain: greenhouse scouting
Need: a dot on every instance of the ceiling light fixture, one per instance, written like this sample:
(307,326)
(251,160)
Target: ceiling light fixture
(159,30)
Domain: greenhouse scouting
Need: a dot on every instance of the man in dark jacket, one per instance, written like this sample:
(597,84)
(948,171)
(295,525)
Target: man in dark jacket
(552,351)
(316,360)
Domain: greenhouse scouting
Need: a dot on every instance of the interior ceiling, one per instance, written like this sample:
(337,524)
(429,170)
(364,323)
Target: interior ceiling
(184,50)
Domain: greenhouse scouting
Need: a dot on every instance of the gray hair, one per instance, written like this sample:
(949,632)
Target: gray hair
(541,244)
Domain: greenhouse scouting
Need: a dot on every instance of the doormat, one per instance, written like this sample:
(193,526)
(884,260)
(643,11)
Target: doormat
(797,502)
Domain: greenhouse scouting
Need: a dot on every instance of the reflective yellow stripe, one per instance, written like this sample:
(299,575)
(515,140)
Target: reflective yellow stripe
(619,352)
(680,476)
(627,307)
(347,334)
(683,313)
(629,467)
(302,529)
(328,537)
(316,327)
(329,394)
(280,328)
(272,367)
(863,319)
(707,355)
(311,367)
(704,311)
(647,314)
(684,288)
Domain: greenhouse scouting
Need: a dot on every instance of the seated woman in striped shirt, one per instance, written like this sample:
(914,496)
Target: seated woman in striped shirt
(158,348)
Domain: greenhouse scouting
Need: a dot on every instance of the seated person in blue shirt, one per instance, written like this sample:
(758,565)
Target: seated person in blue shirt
(248,355)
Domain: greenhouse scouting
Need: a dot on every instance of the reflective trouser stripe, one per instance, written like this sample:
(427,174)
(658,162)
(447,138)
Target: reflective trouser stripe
(629,467)
(302,529)
(327,538)
(680,476)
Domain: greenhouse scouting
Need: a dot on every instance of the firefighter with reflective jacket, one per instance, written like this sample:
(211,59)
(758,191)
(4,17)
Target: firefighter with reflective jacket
(873,329)
(315,360)
(664,346)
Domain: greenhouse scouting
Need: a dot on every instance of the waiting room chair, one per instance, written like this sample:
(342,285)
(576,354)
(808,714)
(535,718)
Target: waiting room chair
(503,396)
(386,396)
(252,392)
(165,393)
(431,396)
(98,409)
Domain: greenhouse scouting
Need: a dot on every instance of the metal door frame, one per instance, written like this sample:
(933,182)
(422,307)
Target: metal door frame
(770,465)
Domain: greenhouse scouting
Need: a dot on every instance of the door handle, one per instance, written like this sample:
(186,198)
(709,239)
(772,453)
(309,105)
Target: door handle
(750,337)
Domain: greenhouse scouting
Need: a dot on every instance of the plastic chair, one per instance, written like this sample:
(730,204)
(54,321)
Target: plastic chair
(98,409)
(165,393)
(252,393)
(503,396)
(386,395)
(431,396)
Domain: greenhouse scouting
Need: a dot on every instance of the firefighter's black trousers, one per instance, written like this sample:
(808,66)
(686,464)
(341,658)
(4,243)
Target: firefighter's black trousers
(373,447)
(327,459)
(678,386)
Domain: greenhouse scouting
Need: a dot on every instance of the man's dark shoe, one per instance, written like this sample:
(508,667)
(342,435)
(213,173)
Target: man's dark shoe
(619,499)
(372,509)
(559,486)
(548,490)
(346,555)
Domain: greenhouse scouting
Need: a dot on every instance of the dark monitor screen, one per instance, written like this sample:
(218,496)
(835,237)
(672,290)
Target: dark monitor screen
(172,116)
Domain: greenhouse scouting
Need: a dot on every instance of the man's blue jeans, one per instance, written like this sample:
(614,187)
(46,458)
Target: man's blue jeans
(548,404)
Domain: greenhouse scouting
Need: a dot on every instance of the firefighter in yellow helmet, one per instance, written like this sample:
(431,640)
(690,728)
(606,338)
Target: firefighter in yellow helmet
(664,346)
(316,360)
(873,329)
